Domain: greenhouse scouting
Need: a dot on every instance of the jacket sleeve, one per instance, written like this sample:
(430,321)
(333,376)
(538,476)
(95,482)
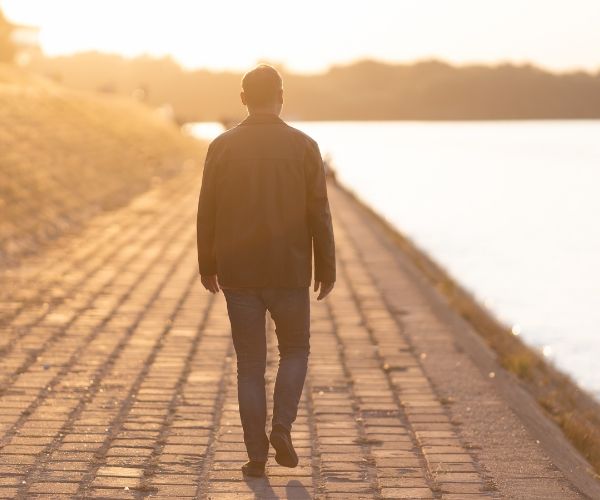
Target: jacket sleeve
(319,215)
(206,218)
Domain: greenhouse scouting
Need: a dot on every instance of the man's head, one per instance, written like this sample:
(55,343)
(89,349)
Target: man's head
(262,90)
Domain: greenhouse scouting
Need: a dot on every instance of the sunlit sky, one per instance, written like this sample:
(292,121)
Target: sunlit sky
(310,35)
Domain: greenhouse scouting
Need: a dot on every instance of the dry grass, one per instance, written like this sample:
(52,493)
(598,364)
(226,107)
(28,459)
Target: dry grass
(66,155)
(573,409)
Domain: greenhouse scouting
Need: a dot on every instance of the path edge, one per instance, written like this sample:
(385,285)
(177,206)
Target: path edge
(428,275)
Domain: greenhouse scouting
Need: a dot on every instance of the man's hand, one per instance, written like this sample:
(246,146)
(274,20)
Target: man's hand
(325,288)
(210,283)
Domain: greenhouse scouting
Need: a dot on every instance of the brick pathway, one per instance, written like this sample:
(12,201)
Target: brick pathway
(117,377)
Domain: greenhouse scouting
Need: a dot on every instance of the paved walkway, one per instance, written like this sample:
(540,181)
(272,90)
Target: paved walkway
(117,377)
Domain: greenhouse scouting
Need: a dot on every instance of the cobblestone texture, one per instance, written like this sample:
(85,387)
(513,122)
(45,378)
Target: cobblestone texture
(117,377)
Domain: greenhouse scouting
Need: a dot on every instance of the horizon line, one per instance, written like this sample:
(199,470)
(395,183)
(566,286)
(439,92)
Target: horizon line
(281,66)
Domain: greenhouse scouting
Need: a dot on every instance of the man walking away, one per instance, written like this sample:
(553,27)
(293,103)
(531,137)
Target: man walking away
(263,211)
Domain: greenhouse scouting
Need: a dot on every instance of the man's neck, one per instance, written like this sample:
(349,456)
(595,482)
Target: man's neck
(262,111)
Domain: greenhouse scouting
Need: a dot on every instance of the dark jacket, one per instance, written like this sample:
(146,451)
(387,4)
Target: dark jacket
(263,208)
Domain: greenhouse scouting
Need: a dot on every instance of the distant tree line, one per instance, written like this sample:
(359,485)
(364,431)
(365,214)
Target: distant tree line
(365,90)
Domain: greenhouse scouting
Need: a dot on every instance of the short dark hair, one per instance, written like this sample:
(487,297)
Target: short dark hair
(261,85)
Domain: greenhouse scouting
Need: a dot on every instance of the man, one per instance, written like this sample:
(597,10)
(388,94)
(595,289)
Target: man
(263,210)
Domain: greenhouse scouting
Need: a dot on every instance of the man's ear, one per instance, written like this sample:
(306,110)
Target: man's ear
(243,97)
(281,96)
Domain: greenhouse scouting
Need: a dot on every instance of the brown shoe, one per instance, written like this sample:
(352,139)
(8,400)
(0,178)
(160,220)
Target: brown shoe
(281,440)
(254,469)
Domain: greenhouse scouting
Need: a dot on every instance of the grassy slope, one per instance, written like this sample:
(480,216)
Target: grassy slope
(573,409)
(66,155)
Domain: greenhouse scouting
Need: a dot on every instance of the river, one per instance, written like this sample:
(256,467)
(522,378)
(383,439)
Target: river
(510,209)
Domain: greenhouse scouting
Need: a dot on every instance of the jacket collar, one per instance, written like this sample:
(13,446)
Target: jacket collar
(260,118)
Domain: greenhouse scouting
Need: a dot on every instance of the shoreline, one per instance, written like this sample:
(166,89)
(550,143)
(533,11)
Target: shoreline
(574,410)
(428,120)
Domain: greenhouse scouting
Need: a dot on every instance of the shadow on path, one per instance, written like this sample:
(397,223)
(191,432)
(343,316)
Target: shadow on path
(262,489)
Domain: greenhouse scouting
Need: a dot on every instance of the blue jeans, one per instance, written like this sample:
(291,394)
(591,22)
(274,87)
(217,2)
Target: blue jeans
(290,310)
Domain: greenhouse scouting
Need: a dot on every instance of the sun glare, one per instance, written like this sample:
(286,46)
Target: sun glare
(311,36)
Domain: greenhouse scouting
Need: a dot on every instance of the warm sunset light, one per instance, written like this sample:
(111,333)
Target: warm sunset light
(311,35)
(293,250)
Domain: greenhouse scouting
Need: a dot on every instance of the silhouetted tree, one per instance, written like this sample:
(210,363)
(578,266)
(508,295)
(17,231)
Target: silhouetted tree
(7,47)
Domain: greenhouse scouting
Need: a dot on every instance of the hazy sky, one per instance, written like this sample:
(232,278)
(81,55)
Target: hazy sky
(309,35)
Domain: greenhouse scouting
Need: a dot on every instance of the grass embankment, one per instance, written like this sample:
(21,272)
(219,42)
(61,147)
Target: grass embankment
(574,410)
(67,155)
